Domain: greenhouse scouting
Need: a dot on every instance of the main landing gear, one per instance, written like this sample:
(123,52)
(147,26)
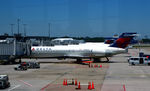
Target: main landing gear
(107,59)
(96,60)
(99,59)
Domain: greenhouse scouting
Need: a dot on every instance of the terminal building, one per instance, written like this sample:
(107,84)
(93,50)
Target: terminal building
(65,41)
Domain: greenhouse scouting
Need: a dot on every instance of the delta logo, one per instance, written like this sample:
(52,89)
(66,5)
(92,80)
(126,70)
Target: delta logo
(32,49)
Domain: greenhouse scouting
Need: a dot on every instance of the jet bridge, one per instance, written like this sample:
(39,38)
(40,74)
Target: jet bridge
(10,49)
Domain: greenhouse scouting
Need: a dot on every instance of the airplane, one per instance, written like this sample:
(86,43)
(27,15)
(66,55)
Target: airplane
(93,51)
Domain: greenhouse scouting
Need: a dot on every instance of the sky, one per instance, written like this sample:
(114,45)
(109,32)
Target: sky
(76,18)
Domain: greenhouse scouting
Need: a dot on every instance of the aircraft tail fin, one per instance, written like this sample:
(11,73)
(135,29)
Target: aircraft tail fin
(123,40)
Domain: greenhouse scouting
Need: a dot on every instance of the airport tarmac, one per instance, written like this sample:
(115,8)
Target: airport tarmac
(130,78)
(116,75)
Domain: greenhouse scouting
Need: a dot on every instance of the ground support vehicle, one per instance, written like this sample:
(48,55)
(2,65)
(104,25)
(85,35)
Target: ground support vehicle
(4,81)
(33,65)
(139,61)
(21,66)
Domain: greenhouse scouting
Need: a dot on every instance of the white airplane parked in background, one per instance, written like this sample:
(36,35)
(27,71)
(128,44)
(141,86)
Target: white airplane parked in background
(87,50)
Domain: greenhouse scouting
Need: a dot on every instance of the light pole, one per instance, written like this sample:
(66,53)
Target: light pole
(18,21)
(49,29)
(24,29)
(12,31)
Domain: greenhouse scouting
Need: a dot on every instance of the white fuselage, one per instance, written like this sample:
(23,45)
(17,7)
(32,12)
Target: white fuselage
(86,50)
